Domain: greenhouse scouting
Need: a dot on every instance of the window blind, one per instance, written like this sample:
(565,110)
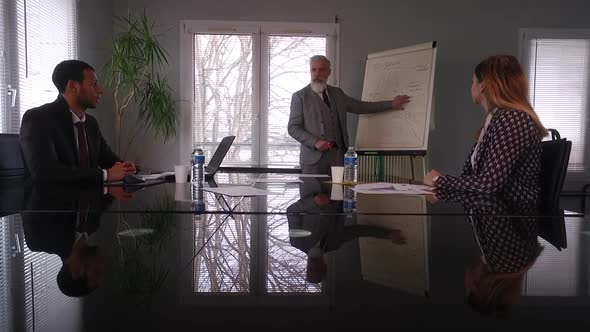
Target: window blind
(558,73)
(4,106)
(46,35)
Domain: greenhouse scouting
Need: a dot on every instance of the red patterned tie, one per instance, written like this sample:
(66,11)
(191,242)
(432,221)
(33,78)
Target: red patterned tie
(82,145)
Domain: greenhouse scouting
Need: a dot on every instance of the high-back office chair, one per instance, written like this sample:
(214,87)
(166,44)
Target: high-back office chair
(555,158)
(11,160)
(12,171)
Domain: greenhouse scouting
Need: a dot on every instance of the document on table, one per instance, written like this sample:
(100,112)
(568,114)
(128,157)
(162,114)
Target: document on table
(312,175)
(155,176)
(276,180)
(238,191)
(290,175)
(393,188)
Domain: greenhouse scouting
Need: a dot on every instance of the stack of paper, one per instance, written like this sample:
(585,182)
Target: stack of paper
(393,188)
(155,176)
(277,180)
(312,175)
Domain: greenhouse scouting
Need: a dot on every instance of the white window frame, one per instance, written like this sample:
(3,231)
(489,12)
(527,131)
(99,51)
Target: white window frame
(574,177)
(260,63)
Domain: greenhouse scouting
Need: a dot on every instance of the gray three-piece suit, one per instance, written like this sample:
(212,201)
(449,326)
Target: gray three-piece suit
(311,120)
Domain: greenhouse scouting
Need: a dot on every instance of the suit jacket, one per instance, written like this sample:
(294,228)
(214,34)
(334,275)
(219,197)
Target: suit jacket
(49,146)
(50,219)
(508,160)
(305,119)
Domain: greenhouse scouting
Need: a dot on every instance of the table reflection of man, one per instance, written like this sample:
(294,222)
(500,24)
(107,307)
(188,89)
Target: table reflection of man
(317,214)
(506,234)
(64,222)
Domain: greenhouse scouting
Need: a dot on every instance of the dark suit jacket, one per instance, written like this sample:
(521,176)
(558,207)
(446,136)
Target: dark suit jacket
(49,146)
(50,218)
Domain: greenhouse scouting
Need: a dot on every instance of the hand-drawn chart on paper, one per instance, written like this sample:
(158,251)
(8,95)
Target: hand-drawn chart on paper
(407,71)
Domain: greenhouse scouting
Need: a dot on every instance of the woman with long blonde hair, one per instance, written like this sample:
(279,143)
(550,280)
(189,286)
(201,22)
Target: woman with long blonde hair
(507,155)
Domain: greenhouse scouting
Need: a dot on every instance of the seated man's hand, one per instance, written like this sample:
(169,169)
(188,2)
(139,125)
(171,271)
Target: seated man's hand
(119,193)
(130,164)
(399,102)
(119,171)
(323,145)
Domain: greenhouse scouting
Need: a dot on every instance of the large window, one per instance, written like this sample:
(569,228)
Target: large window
(35,35)
(249,255)
(4,103)
(557,64)
(239,78)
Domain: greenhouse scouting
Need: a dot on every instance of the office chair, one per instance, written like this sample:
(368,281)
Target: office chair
(552,230)
(555,157)
(12,171)
(11,160)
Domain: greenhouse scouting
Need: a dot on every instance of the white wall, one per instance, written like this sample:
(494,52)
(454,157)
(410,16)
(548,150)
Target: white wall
(467,31)
(95,28)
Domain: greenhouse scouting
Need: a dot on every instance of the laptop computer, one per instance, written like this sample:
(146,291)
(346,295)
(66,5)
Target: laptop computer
(218,156)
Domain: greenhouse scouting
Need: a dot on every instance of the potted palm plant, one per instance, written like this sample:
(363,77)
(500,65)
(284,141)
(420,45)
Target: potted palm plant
(133,74)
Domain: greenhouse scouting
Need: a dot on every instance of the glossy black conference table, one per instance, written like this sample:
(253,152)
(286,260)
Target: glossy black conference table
(153,259)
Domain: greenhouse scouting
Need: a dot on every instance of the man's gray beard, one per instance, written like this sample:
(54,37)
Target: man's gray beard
(318,86)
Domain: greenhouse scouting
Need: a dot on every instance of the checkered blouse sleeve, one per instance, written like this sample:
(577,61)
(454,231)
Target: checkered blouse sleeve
(511,135)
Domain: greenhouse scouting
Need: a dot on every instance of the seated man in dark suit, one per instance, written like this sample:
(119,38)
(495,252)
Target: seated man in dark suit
(60,142)
(68,231)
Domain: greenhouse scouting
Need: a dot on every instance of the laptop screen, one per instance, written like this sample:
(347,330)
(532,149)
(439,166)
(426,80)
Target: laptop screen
(219,154)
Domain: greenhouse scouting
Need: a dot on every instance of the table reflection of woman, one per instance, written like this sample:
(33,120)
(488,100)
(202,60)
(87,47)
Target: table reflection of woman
(506,234)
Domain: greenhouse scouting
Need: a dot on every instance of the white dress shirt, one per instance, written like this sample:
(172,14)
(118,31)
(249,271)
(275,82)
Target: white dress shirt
(321,92)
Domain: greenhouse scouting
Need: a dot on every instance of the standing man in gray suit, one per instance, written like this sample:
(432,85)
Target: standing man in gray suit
(318,118)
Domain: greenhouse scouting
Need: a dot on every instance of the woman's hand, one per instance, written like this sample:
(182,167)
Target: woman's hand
(429,178)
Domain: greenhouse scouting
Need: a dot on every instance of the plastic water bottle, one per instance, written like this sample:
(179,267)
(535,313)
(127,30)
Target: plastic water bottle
(350,166)
(349,202)
(197,166)
(198,201)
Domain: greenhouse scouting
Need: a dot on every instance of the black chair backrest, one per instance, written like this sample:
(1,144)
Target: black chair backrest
(11,160)
(552,229)
(555,157)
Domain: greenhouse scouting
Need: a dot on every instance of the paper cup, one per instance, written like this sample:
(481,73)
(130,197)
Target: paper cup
(337,193)
(180,173)
(180,192)
(337,174)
